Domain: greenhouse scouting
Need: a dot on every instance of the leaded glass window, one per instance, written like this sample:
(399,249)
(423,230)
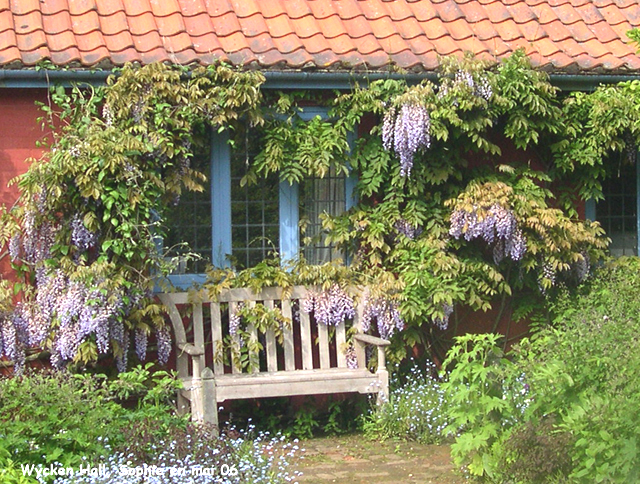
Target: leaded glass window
(318,197)
(618,211)
(254,206)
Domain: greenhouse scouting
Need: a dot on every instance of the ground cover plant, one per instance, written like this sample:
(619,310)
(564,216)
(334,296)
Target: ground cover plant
(119,427)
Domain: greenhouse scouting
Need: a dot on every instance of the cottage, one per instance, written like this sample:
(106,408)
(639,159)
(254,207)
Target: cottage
(319,47)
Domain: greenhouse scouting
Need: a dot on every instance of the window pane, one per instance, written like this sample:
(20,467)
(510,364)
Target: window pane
(254,210)
(189,222)
(618,211)
(320,196)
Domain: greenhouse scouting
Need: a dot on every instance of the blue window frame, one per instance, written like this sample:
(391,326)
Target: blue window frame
(224,204)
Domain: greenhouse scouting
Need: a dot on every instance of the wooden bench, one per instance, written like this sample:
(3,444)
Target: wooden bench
(309,361)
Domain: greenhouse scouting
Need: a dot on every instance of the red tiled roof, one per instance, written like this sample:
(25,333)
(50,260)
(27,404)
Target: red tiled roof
(565,35)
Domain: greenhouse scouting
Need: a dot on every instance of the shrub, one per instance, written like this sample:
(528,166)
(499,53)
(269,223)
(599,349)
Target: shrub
(53,417)
(536,453)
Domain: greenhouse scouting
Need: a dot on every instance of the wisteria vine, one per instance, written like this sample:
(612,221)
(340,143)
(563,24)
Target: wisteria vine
(497,226)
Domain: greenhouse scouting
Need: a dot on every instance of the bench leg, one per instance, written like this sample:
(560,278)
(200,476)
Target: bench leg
(383,392)
(209,401)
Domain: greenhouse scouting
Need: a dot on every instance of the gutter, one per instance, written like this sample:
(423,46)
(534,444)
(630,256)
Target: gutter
(43,78)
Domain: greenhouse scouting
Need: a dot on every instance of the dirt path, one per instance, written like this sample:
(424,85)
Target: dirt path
(354,459)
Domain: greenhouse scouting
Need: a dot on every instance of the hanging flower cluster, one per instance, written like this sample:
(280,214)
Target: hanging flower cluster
(68,308)
(407,229)
(384,313)
(478,84)
(497,225)
(331,307)
(443,322)
(406,130)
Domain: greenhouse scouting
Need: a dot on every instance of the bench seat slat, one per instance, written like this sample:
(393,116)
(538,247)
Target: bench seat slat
(323,345)
(216,336)
(289,350)
(271,349)
(341,342)
(305,340)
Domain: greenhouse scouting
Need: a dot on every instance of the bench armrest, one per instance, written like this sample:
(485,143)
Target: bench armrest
(190,349)
(362,339)
(372,340)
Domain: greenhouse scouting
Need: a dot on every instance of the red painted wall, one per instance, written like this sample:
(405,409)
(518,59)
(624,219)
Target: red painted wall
(19,133)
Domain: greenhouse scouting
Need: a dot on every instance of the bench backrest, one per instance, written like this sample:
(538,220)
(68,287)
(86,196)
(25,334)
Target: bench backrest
(305,345)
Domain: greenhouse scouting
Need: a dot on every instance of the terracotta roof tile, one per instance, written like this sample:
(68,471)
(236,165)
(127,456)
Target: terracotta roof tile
(342,45)
(226,24)
(63,41)
(254,25)
(25,24)
(281,25)
(568,35)
(304,27)
(382,27)
(108,7)
(53,6)
(296,8)
(6,21)
(272,9)
(485,30)
(423,10)
(359,26)
(114,24)
(474,12)
(193,8)
(66,56)
(410,28)
(398,11)
(21,7)
(171,25)
(333,27)
(198,25)
(81,7)
(245,8)
(82,24)
(533,31)
(218,8)
(207,43)
(460,29)
(136,7)
(317,44)
(118,43)
(322,10)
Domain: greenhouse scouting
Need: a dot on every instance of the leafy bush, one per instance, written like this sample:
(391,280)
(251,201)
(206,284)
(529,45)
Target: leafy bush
(54,417)
(56,420)
(584,370)
(535,452)
(416,409)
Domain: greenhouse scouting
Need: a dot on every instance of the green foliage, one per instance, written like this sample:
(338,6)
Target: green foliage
(475,392)
(50,418)
(563,409)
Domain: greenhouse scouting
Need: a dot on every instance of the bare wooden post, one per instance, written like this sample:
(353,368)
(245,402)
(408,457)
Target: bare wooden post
(209,401)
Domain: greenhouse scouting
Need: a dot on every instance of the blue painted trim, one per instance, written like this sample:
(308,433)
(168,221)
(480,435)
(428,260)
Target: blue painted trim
(289,206)
(185,281)
(220,199)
